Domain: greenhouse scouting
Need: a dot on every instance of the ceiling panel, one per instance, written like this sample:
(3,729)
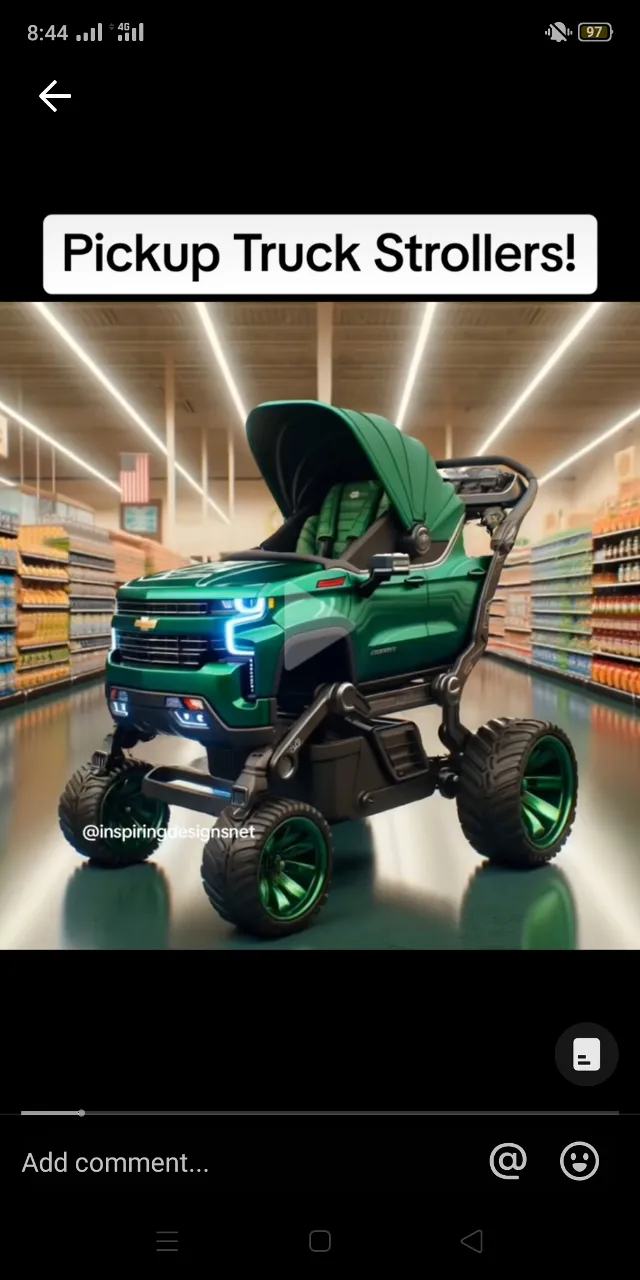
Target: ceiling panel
(479,358)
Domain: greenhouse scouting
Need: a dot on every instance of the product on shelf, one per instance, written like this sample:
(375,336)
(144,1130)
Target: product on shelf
(26,680)
(7,598)
(8,554)
(618,521)
(42,628)
(7,679)
(616,625)
(43,542)
(89,661)
(575,641)
(9,523)
(138,557)
(511,608)
(42,657)
(84,625)
(30,597)
(617,675)
(7,645)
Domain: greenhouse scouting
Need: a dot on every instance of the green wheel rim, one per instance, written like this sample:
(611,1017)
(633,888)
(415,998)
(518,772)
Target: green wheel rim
(293,869)
(124,805)
(548,791)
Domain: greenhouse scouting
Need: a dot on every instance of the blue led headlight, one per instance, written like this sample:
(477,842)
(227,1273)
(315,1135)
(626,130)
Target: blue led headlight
(246,611)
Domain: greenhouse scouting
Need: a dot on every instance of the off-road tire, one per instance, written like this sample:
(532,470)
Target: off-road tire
(81,806)
(231,868)
(489,795)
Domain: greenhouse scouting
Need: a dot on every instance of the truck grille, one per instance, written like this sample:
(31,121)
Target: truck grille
(165,609)
(164,651)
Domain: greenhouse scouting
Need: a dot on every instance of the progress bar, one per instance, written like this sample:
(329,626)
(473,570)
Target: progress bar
(319,1113)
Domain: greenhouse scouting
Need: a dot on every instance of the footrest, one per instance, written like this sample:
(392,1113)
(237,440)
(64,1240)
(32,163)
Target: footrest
(401,746)
(192,790)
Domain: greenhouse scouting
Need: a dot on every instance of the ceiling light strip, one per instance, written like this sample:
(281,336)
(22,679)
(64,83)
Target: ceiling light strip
(427,321)
(582,453)
(586,317)
(55,444)
(204,315)
(48,315)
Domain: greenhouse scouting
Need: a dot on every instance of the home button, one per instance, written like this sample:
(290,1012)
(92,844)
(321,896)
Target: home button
(319,1241)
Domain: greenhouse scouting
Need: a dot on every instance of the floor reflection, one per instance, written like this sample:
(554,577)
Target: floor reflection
(406,880)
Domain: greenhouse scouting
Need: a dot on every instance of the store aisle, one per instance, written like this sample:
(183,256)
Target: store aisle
(406,880)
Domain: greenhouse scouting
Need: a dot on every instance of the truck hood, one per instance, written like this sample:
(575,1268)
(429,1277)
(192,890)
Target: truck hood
(224,578)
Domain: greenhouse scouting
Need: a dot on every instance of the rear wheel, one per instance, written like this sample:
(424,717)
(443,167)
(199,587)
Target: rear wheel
(274,881)
(95,806)
(517,791)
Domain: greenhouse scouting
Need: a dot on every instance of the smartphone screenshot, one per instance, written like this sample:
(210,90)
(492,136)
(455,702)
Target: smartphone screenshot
(319,641)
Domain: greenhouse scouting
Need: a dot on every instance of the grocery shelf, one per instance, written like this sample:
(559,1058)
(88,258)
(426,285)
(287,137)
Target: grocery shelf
(46,644)
(617,657)
(42,556)
(562,577)
(28,695)
(572,631)
(616,560)
(38,666)
(44,608)
(559,595)
(565,613)
(621,695)
(562,648)
(43,577)
(579,551)
(615,586)
(616,533)
(81,556)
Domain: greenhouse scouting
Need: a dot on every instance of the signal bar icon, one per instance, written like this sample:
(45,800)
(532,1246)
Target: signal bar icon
(134,36)
(86,35)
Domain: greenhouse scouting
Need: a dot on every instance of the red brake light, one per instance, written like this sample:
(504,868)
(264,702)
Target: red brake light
(331,582)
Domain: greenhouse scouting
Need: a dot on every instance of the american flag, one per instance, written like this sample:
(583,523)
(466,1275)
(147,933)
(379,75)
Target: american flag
(134,477)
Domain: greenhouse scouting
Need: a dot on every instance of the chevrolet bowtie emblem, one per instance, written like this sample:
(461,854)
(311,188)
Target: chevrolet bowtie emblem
(146,624)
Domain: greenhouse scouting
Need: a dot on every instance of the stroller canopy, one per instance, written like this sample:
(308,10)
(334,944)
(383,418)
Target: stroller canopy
(302,447)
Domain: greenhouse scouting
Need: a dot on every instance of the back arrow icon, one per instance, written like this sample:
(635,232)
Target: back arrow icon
(46,96)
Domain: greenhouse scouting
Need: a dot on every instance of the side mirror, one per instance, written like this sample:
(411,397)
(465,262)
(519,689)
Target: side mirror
(384,567)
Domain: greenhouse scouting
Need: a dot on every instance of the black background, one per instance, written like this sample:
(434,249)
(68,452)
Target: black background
(484,117)
(441,113)
(388,1190)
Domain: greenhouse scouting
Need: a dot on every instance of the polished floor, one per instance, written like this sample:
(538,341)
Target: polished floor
(406,880)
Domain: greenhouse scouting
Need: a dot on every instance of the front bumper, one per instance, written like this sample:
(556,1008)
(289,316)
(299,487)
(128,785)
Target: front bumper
(152,712)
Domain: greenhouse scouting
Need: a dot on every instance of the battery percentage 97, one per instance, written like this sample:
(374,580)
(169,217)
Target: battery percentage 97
(595,31)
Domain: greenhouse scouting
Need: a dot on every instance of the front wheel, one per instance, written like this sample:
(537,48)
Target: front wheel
(274,880)
(517,791)
(106,817)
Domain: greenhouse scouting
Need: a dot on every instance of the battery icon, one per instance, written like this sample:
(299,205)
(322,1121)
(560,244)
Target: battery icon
(588,31)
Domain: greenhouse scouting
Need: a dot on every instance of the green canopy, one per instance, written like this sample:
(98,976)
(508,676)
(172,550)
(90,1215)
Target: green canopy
(302,447)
